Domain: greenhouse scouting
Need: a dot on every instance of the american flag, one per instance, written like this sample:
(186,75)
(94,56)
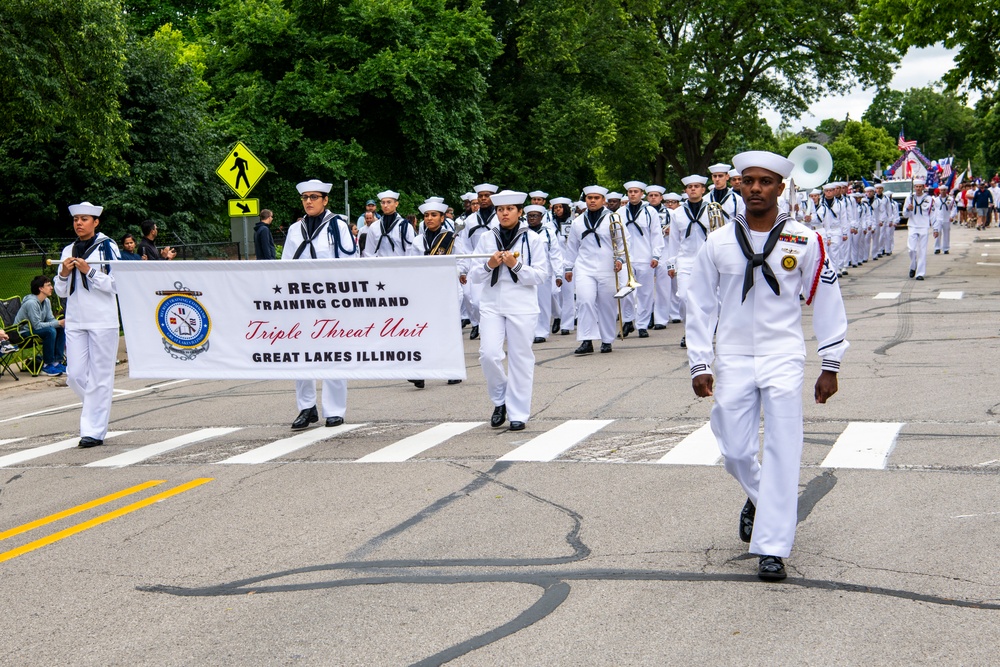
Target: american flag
(945,164)
(905,145)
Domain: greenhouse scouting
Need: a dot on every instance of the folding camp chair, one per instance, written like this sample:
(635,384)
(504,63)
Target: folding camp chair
(29,353)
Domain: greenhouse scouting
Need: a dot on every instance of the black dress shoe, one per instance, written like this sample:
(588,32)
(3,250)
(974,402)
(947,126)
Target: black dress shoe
(643,333)
(920,277)
(771,568)
(586,347)
(454,382)
(334,421)
(747,515)
(937,252)
(564,332)
(652,323)
(556,324)
(517,426)
(87,442)
(946,252)
(913,272)
(499,416)
(684,342)
(627,328)
(419,384)
(306,417)
(675,321)
(538,339)
(605,348)
(659,327)
(466,323)
(474,333)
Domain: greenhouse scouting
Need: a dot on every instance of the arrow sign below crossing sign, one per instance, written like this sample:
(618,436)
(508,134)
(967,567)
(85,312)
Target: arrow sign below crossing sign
(244,207)
(241,170)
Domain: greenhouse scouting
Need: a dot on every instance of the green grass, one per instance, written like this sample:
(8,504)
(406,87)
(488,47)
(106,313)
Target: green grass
(16,274)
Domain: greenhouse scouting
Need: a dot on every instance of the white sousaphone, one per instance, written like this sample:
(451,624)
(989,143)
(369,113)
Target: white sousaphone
(813,165)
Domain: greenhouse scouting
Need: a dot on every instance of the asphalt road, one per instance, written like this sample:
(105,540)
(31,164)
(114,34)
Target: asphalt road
(603,555)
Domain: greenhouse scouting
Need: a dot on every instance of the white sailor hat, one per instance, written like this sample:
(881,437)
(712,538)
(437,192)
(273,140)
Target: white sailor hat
(831,186)
(815,191)
(858,193)
(733,173)
(436,200)
(765,160)
(655,188)
(595,190)
(565,201)
(429,205)
(694,178)
(507,197)
(314,186)
(386,194)
(672,196)
(468,196)
(720,168)
(86,208)
(534,208)
(880,185)
(841,184)
(615,195)
(486,187)
(635,184)
(580,205)
(869,188)
(538,193)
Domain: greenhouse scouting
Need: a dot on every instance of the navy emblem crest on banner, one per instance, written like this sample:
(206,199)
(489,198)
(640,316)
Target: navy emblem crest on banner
(183,322)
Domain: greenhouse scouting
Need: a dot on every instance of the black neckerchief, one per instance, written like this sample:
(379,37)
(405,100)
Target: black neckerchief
(386,231)
(439,239)
(592,221)
(538,229)
(81,248)
(311,227)
(919,205)
(828,204)
(717,199)
(631,211)
(758,259)
(694,217)
(480,222)
(505,238)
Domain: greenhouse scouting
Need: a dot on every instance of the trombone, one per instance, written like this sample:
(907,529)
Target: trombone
(715,216)
(619,247)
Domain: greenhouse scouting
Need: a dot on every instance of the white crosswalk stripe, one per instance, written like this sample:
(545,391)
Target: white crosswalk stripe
(886,295)
(149,451)
(950,295)
(45,450)
(863,445)
(285,446)
(9,441)
(698,449)
(409,447)
(551,444)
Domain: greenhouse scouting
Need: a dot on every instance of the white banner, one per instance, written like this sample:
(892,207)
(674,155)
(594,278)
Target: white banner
(351,319)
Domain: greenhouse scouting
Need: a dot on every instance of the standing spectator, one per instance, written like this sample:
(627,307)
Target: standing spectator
(263,242)
(995,193)
(128,247)
(982,202)
(147,247)
(37,310)
(371,206)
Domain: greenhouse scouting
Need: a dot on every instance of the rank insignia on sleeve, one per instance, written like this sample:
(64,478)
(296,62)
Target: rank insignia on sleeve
(788,262)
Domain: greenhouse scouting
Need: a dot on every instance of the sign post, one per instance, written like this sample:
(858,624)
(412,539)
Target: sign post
(241,170)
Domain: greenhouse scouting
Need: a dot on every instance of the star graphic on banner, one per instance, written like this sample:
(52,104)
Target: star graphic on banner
(380,286)
(277,289)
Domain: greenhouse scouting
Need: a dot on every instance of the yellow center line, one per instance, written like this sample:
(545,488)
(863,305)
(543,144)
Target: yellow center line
(98,520)
(79,508)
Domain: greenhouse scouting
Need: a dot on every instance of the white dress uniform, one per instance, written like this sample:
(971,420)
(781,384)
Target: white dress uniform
(509,312)
(645,243)
(331,239)
(732,204)
(468,239)
(689,229)
(390,236)
(759,358)
(833,221)
(591,256)
(552,264)
(918,227)
(943,214)
(666,306)
(566,310)
(91,332)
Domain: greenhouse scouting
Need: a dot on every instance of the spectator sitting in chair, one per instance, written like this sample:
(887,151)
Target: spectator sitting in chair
(147,247)
(37,310)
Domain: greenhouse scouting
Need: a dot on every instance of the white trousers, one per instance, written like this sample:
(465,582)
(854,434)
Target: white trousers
(890,238)
(638,306)
(334,396)
(567,306)
(597,309)
(744,384)
(544,321)
(665,295)
(916,243)
(471,294)
(513,387)
(90,373)
(943,240)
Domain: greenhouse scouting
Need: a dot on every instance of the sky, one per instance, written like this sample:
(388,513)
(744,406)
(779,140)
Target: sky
(918,68)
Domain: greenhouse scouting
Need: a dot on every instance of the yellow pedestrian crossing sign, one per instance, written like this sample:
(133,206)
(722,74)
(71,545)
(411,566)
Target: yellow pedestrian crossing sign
(241,170)
(241,207)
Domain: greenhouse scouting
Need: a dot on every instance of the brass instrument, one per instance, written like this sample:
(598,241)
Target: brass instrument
(715,216)
(619,246)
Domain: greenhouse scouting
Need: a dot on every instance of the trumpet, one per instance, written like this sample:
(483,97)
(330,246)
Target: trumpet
(619,246)
(715,216)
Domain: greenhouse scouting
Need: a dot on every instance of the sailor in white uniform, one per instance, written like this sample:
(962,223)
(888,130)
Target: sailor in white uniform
(552,264)
(744,293)
(918,209)
(833,221)
(565,315)
(591,263)
(672,201)
(688,231)
(319,234)
(645,248)
(663,294)
(476,224)
(391,235)
(944,213)
(723,195)
(509,308)
(89,291)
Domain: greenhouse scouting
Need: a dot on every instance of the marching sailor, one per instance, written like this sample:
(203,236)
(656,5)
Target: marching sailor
(721,194)
(663,292)
(918,210)
(591,264)
(833,220)
(688,231)
(744,293)
(475,225)
(319,234)
(944,213)
(90,294)
(509,308)
(735,181)
(645,247)
(551,263)
(565,314)
(391,235)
